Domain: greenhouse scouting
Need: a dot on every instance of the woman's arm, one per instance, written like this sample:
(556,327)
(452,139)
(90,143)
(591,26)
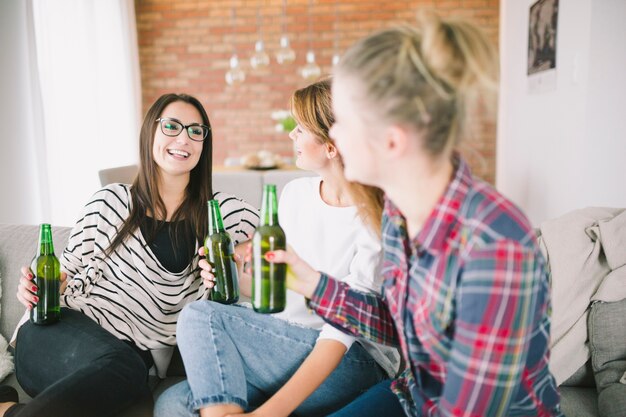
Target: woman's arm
(321,362)
(240,218)
(100,220)
(359,313)
(245,279)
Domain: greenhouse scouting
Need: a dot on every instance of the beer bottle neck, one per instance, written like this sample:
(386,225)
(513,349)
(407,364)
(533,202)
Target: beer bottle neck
(46,247)
(269,206)
(216,225)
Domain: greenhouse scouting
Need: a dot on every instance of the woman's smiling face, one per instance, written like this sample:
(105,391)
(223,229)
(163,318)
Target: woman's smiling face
(177,155)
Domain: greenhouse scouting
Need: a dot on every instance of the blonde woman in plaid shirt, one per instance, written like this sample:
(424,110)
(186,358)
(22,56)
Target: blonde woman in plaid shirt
(465,291)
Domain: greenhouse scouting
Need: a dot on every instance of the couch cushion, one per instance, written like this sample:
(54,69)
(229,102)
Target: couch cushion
(247,185)
(607,342)
(18,244)
(578,402)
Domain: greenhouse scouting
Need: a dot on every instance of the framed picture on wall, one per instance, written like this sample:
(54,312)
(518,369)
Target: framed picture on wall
(542,44)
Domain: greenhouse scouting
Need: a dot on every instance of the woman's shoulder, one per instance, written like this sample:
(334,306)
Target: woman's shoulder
(230,202)
(301,186)
(113,194)
(495,217)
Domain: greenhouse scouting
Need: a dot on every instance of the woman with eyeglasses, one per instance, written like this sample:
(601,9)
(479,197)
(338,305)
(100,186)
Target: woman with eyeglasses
(466,293)
(131,265)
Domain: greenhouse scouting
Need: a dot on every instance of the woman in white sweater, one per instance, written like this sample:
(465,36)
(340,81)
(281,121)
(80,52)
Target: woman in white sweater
(131,265)
(292,362)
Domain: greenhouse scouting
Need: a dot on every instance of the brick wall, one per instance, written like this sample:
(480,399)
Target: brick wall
(185,45)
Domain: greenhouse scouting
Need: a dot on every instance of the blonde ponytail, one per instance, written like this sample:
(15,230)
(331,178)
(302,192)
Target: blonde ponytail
(423,76)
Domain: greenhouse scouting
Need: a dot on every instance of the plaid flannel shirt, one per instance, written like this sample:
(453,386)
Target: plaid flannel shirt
(467,301)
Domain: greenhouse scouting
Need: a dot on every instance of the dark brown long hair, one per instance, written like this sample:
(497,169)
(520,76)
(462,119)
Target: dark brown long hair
(145,190)
(312,107)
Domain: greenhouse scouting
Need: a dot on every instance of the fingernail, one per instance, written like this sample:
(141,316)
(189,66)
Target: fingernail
(31,276)
(269,256)
(36,299)
(33,288)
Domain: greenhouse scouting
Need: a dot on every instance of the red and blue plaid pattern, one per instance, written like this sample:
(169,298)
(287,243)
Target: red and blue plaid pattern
(467,301)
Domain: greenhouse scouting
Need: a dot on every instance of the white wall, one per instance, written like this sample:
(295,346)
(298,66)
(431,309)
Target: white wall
(19,128)
(564,149)
(85,69)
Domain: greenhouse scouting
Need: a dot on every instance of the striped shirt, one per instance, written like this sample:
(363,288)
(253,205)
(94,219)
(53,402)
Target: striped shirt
(467,301)
(130,293)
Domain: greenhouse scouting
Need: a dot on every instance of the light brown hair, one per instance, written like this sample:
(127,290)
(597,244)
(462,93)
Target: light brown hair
(423,77)
(312,108)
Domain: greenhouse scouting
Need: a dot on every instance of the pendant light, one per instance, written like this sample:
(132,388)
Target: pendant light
(235,75)
(285,55)
(310,71)
(336,56)
(259,58)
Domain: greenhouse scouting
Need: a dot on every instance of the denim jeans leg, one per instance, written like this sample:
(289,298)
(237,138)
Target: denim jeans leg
(176,401)
(356,373)
(377,401)
(227,348)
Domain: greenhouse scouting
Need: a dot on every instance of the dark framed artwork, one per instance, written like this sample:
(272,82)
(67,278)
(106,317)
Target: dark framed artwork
(542,35)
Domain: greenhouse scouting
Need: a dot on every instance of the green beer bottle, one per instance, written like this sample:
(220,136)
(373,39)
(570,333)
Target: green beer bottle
(47,271)
(220,253)
(269,291)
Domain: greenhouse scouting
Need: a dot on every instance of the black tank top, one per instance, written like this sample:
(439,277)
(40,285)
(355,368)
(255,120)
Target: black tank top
(174,253)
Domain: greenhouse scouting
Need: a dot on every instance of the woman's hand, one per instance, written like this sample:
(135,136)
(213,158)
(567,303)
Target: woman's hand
(206,270)
(208,278)
(301,278)
(243,254)
(27,290)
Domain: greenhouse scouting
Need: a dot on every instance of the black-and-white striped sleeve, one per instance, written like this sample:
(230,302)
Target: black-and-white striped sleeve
(240,218)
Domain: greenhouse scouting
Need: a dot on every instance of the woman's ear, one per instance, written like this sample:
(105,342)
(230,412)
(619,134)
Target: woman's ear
(396,142)
(331,151)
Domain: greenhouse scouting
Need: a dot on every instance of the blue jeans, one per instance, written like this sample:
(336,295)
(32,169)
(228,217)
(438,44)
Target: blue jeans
(234,355)
(377,401)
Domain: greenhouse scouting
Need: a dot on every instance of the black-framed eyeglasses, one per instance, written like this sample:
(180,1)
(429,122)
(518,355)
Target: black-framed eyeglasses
(173,127)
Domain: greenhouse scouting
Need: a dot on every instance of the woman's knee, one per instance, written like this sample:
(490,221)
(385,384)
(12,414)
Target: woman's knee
(200,315)
(194,315)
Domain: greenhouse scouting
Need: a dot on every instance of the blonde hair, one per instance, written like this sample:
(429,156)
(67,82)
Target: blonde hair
(311,106)
(423,77)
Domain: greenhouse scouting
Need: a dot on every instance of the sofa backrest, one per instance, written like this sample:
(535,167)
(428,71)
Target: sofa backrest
(242,183)
(18,245)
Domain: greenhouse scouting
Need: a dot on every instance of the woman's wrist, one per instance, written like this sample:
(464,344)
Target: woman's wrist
(309,284)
